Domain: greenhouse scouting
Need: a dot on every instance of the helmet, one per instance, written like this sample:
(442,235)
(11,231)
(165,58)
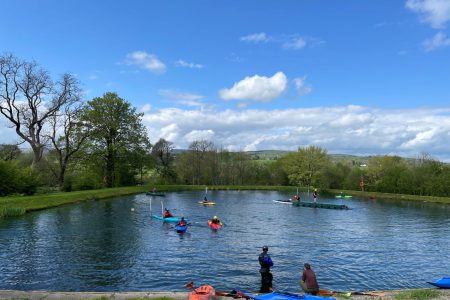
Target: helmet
(167,209)
(265,248)
(215,218)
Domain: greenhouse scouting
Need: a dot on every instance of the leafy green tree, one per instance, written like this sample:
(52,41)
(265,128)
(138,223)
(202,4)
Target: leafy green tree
(9,152)
(306,166)
(116,130)
(164,159)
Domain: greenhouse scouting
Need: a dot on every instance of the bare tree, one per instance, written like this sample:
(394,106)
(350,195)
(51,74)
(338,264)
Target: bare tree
(67,135)
(29,97)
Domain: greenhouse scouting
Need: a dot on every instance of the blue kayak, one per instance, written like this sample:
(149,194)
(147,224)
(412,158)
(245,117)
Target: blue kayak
(170,219)
(443,283)
(286,296)
(180,228)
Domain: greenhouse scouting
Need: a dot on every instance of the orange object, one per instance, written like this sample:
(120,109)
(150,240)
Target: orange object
(325,293)
(205,292)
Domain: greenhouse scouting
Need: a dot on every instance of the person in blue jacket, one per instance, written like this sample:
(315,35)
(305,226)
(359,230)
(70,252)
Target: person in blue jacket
(265,263)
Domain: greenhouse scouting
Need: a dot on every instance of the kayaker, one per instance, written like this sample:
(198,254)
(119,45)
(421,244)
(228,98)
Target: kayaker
(182,222)
(205,199)
(167,214)
(308,282)
(266,277)
(216,220)
(296,197)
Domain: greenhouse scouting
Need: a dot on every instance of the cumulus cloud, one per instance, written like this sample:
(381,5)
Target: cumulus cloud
(301,86)
(146,61)
(434,12)
(440,40)
(260,37)
(258,88)
(185,64)
(348,130)
(295,43)
(182,98)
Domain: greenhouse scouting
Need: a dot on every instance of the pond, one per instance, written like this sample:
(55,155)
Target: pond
(115,244)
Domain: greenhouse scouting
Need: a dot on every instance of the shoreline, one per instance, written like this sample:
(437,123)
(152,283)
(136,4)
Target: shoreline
(444,294)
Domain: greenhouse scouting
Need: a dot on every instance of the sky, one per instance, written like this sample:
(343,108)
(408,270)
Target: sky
(353,77)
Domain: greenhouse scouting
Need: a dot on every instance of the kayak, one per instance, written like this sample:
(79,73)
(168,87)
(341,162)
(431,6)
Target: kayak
(180,228)
(207,202)
(161,194)
(170,219)
(286,296)
(345,196)
(214,226)
(443,283)
(205,292)
(283,201)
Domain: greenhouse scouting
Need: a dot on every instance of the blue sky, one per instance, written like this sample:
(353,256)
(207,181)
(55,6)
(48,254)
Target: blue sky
(353,77)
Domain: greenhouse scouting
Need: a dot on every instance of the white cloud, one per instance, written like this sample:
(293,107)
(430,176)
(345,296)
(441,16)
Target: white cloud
(146,108)
(434,12)
(348,130)
(260,37)
(185,64)
(182,98)
(301,86)
(440,40)
(146,61)
(295,43)
(258,88)
(197,135)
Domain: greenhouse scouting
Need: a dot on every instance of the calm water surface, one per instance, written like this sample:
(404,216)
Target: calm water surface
(115,245)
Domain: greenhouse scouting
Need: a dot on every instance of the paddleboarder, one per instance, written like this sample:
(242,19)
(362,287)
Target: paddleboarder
(266,277)
(315,195)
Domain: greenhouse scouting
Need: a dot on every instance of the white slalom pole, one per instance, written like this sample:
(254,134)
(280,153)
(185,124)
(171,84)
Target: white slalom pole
(162,208)
(151,204)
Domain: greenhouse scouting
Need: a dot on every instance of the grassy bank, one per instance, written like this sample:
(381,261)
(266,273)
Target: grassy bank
(19,205)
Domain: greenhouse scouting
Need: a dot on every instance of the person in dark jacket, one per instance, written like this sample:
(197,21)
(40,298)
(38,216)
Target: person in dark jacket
(266,277)
(308,282)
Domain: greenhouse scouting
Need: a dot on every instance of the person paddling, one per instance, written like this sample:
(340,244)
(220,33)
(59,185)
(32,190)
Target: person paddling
(182,222)
(167,214)
(315,195)
(216,220)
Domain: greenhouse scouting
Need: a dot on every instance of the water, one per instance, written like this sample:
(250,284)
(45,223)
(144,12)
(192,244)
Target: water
(114,245)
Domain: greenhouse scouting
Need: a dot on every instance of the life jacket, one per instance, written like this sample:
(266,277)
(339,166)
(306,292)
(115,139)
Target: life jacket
(167,214)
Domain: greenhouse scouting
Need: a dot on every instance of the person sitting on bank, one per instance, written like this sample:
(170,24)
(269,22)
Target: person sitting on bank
(167,214)
(182,222)
(308,282)
(216,220)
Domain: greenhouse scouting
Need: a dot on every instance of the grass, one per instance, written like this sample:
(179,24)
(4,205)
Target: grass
(418,294)
(10,211)
(144,298)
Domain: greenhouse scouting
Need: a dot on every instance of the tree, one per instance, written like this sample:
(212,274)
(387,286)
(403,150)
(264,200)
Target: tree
(29,97)
(67,135)
(116,130)
(162,152)
(305,166)
(9,152)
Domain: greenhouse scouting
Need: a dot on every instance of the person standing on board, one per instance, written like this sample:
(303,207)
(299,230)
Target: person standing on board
(315,195)
(266,277)
(308,282)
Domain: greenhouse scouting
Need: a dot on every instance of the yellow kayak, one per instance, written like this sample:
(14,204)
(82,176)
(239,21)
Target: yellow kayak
(207,203)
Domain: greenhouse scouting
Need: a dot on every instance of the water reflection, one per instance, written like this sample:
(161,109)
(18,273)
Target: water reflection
(115,245)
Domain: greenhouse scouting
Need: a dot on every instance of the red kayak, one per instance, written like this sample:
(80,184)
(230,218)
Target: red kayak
(205,292)
(213,225)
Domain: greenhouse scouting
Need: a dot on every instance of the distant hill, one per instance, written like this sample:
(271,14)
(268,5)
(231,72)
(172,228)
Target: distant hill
(276,154)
